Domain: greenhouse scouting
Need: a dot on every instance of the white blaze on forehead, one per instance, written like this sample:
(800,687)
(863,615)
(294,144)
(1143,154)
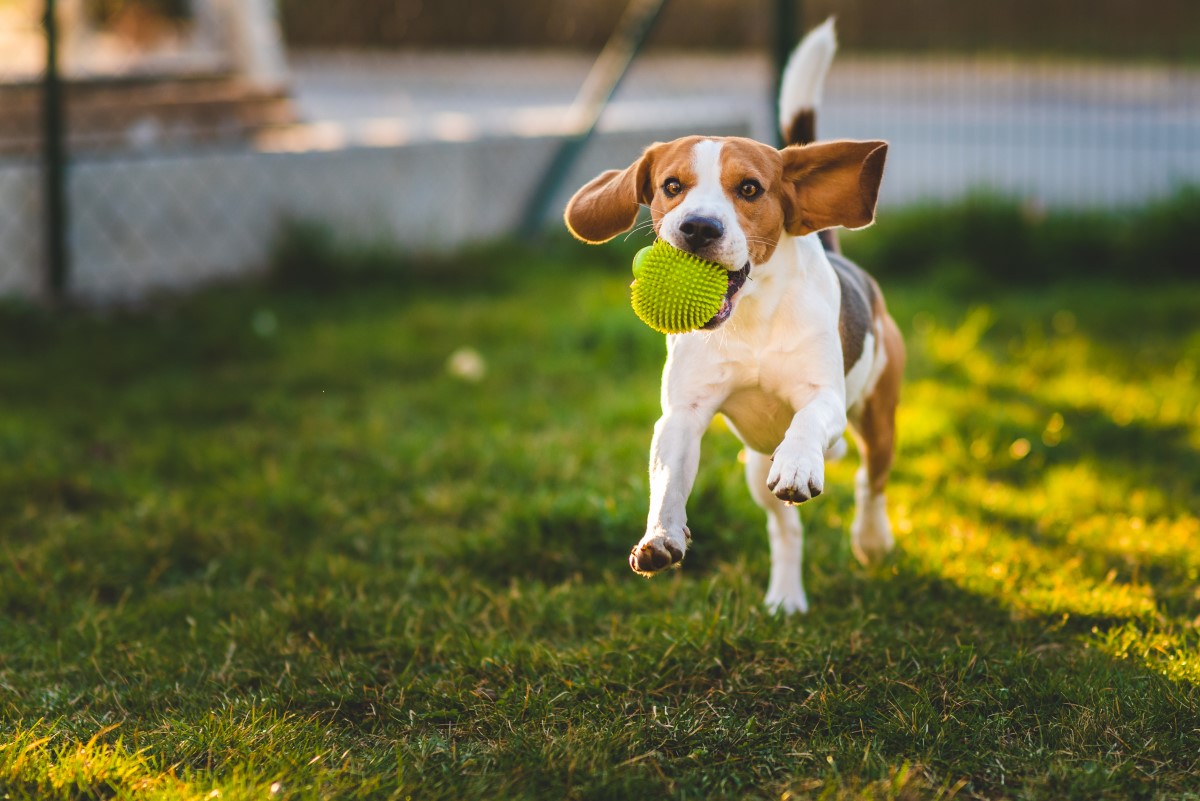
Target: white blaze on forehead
(706,161)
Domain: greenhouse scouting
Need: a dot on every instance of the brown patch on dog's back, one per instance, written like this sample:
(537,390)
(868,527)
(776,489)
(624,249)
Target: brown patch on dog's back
(858,302)
(876,422)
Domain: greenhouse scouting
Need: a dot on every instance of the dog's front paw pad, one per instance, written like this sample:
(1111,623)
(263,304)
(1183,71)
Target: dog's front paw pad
(798,481)
(656,554)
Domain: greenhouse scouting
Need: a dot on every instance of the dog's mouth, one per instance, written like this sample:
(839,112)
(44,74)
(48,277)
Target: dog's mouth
(737,279)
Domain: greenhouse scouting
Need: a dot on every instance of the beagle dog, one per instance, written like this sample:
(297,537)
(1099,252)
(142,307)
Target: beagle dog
(802,346)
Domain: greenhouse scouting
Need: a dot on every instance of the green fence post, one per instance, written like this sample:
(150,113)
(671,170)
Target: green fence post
(785,35)
(54,166)
(602,82)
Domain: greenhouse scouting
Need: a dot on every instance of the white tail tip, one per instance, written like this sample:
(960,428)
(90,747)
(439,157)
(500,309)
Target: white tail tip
(804,77)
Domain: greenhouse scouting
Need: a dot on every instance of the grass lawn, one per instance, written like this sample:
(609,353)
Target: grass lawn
(266,545)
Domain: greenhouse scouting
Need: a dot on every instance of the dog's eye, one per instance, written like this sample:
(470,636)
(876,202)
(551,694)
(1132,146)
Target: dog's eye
(671,187)
(750,188)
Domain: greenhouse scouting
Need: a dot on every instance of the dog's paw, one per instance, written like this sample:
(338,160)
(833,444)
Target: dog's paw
(871,532)
(787,603)
(871,536)
(796,478)
(659,550)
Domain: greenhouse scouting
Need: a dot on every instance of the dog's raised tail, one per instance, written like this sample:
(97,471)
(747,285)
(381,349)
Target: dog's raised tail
(800,94)
(803,82)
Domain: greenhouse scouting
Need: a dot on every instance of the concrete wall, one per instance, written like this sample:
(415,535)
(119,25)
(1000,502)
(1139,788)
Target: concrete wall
(151,224)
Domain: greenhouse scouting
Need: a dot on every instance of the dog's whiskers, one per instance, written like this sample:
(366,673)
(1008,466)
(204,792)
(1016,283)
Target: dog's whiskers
(645,228)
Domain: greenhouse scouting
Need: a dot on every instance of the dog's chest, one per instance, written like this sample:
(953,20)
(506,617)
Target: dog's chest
(759,418)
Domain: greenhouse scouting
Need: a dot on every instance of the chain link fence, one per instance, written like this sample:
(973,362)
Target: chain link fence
(195,129)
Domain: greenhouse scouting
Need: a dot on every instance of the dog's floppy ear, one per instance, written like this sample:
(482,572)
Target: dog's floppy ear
(608,204)
(831,183)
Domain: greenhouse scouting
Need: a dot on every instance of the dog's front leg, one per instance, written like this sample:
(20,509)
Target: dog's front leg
(674,459)
(798,468)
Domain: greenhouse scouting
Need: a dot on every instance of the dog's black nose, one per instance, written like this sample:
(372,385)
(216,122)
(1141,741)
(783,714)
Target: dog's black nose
(699,231)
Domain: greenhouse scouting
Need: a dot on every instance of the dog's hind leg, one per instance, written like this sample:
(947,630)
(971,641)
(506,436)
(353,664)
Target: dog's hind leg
(875,433)
(786,591)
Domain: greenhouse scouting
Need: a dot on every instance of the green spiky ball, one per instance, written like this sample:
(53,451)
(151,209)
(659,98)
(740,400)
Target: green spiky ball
(674,291)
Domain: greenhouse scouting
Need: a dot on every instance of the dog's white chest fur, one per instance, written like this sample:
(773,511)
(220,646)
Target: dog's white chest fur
(779,347)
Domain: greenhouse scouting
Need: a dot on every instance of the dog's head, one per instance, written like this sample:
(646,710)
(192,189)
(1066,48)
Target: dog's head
(729,200)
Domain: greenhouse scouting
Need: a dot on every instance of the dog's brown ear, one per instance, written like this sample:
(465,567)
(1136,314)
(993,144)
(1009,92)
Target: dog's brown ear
(608,204)
(831,183)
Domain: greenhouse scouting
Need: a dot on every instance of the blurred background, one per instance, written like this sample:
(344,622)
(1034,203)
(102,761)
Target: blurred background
(174,140)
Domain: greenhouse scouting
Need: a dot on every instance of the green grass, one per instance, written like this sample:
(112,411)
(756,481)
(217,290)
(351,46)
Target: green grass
(265,543)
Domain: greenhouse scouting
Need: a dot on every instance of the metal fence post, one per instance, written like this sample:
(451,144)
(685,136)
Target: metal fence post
(54,166)
(786,29)
(601,84)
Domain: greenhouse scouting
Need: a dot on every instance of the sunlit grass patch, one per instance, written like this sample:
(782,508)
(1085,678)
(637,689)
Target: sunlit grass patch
(36,764)
(1175,654)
